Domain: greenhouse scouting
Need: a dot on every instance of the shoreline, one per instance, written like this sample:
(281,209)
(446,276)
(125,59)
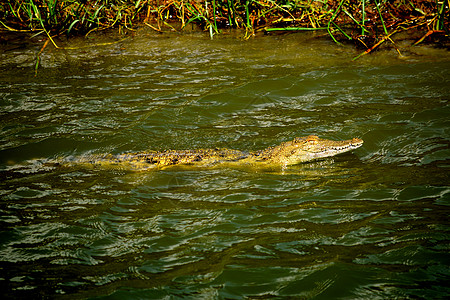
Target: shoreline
(364,24)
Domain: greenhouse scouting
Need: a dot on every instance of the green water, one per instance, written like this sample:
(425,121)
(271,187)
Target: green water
(371,224)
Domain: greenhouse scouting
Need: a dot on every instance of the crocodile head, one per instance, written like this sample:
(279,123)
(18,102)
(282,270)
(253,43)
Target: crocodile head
(307,148)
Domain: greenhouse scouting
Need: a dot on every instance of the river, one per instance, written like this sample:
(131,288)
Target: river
(370,224)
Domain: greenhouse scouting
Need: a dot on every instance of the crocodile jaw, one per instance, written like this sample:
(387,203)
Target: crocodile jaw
(334,149)
(306,149)
(313,147)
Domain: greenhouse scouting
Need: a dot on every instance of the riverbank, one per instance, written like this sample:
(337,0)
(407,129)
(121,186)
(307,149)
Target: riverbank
(364,23)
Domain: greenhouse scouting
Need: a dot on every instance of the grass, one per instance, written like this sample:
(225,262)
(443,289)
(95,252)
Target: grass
(364,22)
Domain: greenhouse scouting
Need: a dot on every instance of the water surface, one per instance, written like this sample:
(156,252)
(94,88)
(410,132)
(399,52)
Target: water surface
(368,224)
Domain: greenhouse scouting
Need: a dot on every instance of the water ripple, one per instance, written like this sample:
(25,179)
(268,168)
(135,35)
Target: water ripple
(367,224)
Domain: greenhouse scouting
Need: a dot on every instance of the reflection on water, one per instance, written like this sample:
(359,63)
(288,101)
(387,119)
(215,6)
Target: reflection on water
(367,224)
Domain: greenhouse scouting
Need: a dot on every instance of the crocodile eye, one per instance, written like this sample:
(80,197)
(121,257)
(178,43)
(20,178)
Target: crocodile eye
(312,139)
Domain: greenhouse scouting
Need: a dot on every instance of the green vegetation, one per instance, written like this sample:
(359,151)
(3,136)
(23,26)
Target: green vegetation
(366,23)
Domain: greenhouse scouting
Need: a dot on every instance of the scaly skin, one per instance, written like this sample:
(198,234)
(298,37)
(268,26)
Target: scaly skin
(289,153)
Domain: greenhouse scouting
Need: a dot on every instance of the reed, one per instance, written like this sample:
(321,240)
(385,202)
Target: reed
(363,16)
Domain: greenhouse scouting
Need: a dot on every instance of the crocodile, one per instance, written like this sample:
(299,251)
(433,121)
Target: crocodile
(301,149)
